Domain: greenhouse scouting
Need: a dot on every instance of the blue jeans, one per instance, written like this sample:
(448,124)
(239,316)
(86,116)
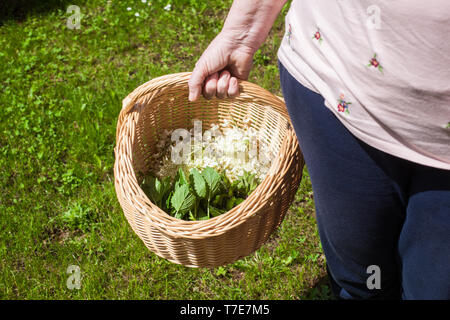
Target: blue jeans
(384,222)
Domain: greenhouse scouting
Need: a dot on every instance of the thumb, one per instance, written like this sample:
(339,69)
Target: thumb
(196,80)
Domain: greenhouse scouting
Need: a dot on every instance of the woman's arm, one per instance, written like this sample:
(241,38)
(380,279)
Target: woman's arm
(230,54)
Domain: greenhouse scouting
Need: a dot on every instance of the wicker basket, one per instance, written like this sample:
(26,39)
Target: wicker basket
(162,103)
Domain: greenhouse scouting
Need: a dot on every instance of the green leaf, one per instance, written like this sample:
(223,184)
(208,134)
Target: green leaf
(198,183)
(213,211)
(191,216)
(180,178)
(166,186)
(221,271)
(202,215)
(179,215)
(230,203)
(233,188)
(225,181)
(218,200)
(183,200)
(168,201)
(212,179)
(157,190)
(252,182)
(288,260)
(246,184)
(152,187)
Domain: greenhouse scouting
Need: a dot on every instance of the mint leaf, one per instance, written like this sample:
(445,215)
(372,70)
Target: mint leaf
(183,200)
(198,183)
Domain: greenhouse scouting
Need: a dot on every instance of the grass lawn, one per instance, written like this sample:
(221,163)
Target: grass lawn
(61,92)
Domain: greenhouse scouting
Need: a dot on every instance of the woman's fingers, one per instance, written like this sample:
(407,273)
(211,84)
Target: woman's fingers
(222,84)
(209,90)
(233,88)
(222,87)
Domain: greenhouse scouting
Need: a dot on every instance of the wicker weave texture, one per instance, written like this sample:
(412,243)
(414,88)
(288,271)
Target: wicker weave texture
(162,103)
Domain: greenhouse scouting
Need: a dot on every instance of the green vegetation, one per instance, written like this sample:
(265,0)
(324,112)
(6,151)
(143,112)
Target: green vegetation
(61,92)
(202,196)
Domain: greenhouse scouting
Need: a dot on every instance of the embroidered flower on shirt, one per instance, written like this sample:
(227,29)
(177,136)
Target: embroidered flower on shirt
(375,63)
(318,36)
(288,34)
(343,105)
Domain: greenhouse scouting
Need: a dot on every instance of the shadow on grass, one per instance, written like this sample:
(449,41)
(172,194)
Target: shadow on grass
(18,10)
(321,290)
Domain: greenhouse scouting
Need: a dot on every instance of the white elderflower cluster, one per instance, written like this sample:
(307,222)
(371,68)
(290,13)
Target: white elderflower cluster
(226,148)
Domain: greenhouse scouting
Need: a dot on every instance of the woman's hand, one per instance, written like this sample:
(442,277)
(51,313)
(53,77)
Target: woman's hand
(230,55)
(221,64)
